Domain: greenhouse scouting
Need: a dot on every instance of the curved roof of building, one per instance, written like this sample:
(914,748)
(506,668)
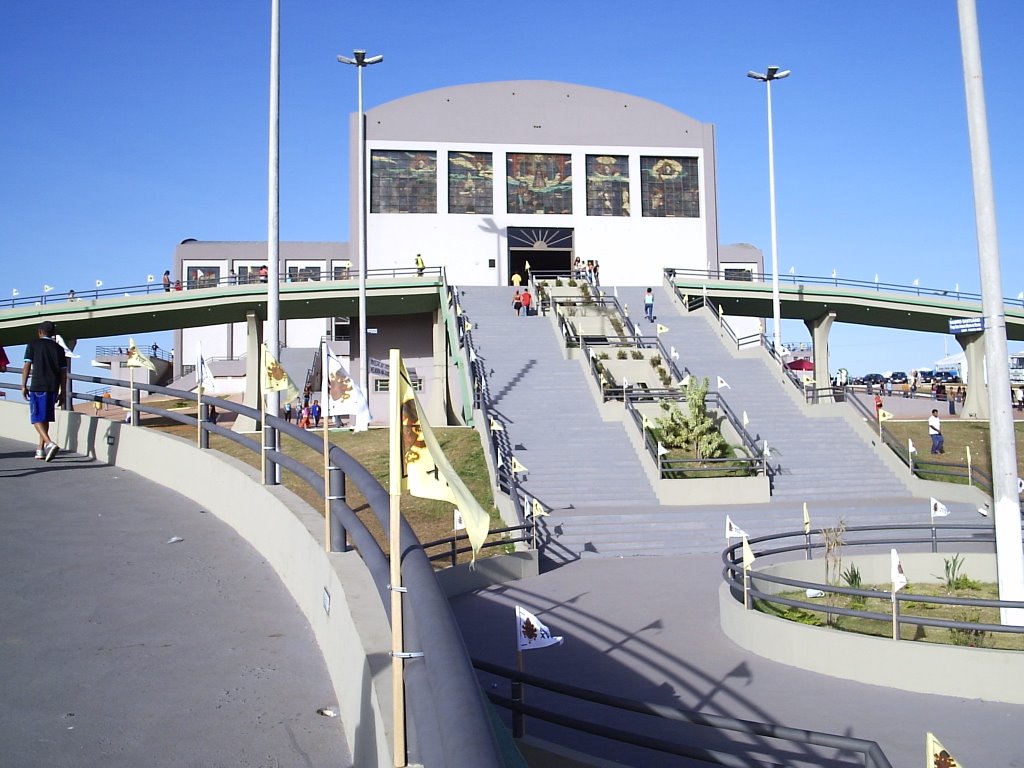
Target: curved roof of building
(533,112)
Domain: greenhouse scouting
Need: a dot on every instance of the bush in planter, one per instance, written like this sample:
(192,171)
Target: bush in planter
(637,354)
(621,354)
(617,325)
(693,428)
(604,356)
(558,282)
(571,283)
(655,362)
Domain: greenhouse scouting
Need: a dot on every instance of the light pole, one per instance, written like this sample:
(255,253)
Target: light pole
(360,61)
(773,74)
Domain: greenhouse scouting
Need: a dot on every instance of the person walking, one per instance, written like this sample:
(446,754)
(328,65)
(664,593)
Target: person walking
(597,274)
(167,281)
(420,266)
(43,379)
(649,305)
(315,412)
(517,303)
(935,432)
(527,301)
(516,279)
(288,412)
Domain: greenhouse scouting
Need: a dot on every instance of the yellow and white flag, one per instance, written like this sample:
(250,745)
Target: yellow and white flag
(746,419)
(807,519)
(884,415)
(897,576)
(733,531)
(426,471)
(341,396)
(273,377)
(911,448)
(517,467)
(662,329)
(136,359)
(531,633)
(537,509)
(937,755)
(496,425)
(748,554)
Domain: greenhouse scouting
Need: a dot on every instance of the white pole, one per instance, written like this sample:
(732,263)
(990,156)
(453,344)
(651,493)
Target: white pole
(273,399)
(776,301)
(1009,551)
(364,356)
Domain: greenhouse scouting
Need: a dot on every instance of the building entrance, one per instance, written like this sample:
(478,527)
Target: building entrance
(547,249)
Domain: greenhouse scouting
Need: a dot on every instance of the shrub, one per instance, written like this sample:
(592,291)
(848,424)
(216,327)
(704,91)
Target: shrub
(655,361)
(852,578)
(617,325)
(558,282)
(972,638)
(954,578)
(637,354)
(693,428)
(603,356)
(621,354)
(571,283)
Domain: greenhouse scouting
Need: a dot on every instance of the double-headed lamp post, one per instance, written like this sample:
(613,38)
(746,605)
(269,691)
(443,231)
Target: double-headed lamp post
(773,73)
(360,61)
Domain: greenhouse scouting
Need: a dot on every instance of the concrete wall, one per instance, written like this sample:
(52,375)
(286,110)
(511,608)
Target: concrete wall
(354,637)
(945,670)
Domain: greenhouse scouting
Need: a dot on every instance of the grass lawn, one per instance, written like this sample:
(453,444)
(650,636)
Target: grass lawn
(958,435)
(883,628)
(430,519)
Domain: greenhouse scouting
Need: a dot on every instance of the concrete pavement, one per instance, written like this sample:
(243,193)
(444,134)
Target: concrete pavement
(120,649)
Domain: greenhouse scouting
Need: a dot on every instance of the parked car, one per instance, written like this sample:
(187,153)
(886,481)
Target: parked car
(898,377)
(946,377)
(874,379)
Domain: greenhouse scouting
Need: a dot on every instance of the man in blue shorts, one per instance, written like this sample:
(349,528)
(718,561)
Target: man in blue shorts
(43,379)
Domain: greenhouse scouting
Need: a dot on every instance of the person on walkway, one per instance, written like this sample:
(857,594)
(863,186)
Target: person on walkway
(212,415)
(43,379)
(517,303)
(264,273)
(177,285)
(577,268)
(167,281)
(315,412)
(649,305)
(288,412)
(597,274)
(516,279)
(878,405)
(420,266)
(935,432)
(527,301)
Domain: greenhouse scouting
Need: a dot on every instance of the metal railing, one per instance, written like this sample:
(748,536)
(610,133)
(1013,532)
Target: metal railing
(779,744)
(443,674)
(152,351)
(880,538)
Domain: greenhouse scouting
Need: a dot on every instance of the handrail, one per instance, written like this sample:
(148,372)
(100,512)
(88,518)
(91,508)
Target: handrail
(733,572)
(443,675)
(874,757)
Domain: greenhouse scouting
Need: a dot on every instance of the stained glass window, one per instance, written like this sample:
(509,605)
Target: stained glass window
(539,183)
(470,182)
(669,186)
(607,185)
(403,181)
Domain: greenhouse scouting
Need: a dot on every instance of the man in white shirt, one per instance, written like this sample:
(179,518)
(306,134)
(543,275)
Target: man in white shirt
(935,432)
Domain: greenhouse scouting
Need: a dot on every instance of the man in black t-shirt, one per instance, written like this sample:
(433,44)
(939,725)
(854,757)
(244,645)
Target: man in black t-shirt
(47,365)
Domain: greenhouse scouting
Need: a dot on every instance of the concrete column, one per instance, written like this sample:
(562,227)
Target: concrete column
(438,401)
(253,342)
(976,404)
(819,329)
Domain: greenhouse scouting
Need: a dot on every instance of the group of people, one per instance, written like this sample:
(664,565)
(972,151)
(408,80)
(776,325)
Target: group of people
(590,271)
(168,286)
(307,415)
(522,302)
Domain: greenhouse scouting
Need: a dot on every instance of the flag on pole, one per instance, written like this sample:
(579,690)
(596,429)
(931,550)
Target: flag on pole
(662,329)
(662,450)
(517,467)
(766,450)
(458,523)
(911,448)
(99,283)
(884,415)
(63,345)
(531,633)
(47,288)
(341,396)
(898,578)
(527,266)
(274,378)
(938,509)
(625,310)
(746,419)
(809,381)
(673,354)
(496,425)
(686,381)
(937,755)
(204,377)
(748,554)
(646,423)
(733,531)
(136,359)
(426,471)
(537,509)
(807,519)
(723,384)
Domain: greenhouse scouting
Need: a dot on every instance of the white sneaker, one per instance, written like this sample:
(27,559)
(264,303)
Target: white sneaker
(39,454)
(51,451)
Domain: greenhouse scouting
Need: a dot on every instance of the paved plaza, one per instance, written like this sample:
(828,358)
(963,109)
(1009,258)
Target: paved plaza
(121,649)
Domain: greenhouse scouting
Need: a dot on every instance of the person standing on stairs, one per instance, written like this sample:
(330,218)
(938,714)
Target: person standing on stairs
(649,305)
(527,300)
(517,302)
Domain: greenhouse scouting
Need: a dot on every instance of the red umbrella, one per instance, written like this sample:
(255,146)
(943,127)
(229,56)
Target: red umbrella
(802,364)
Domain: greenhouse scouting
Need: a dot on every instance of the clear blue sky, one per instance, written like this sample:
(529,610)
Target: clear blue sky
(132,126)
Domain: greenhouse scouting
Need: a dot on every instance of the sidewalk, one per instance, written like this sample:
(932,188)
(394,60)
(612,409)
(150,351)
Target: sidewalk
(120,649)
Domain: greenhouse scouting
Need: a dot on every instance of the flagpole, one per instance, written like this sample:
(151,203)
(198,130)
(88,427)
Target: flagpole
(131,395)
(395,558)
(518,718)
(199,409)
(324,388)
(263,437)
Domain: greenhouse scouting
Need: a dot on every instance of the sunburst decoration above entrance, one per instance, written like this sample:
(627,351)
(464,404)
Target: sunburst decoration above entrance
(540,237)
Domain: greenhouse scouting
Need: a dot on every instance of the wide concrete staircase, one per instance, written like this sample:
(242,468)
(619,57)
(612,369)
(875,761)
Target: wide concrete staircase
(574,458)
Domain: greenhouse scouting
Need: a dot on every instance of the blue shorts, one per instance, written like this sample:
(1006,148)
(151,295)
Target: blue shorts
(41,407)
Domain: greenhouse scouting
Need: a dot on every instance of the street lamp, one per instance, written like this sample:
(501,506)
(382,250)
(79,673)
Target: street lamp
(360,61)
(773,74)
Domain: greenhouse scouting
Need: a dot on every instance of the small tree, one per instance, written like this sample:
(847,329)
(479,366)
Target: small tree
(693,428)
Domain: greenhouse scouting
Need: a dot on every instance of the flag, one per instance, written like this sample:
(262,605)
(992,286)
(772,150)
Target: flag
(911,448)
(457,522)
(723,384)
(537,509)
(63,345)
(517,468)
(937,755)
(809,381)
(469,326)
(746,419)
(662,450)
(531,633)
(341,396)
(136,359)
(625,310)
(938,509)
(748,554)
(274,377)
(150,278)
(968,454)
(496,426)
(204,377)
(686,381)
(527,265)
(733,531)
(807,519)
(47,288)
(884,415)
(766,450)
(99,283)
(673,354)
(662,329)
(646,423)
(898,578)
(426,471)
